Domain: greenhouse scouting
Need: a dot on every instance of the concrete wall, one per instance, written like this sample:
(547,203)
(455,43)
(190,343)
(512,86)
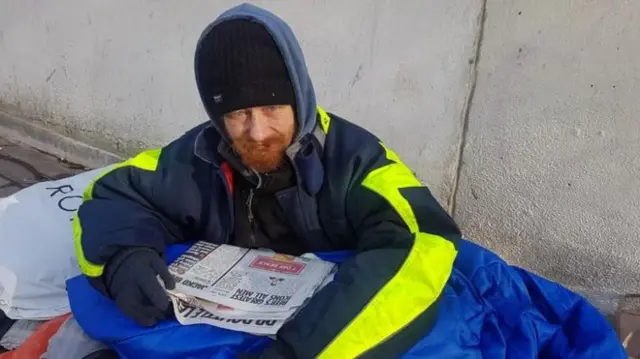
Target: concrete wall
(119,74)
(550,174)
(551,169)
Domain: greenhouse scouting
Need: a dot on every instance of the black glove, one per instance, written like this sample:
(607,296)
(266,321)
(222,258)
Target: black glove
(132,282)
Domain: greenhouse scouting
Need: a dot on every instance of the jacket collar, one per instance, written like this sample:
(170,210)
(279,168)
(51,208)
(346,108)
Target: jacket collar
(304,154)
(205,146)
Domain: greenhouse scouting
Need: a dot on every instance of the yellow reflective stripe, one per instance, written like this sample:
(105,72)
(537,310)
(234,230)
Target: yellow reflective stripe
(416,285)
(408,294)
(148,161)
(325,119)
(86,267)
(387,182)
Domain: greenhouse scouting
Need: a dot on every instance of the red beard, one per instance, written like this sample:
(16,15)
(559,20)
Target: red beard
(264,156)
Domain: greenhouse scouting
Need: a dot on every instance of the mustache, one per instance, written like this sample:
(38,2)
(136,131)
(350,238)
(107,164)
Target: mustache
(264,144)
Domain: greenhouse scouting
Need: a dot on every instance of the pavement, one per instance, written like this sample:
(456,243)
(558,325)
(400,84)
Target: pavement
(22,166)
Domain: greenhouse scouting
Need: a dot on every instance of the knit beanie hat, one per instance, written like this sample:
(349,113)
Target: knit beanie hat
(240,66)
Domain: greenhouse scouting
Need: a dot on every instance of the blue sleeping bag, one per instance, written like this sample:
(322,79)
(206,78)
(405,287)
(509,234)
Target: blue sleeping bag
(489,309)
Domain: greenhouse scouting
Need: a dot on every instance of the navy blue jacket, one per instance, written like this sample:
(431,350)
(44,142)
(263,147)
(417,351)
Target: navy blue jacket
(352,193)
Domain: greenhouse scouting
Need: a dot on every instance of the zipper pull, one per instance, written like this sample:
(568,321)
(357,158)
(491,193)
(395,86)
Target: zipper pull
(249,204)
(259,177)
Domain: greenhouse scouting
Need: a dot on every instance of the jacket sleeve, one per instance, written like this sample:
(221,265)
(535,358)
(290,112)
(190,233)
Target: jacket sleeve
(384,299)
(131,205)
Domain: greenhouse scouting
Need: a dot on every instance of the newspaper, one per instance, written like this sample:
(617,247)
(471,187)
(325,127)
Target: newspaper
(188,314)
(225,311)
(251,290)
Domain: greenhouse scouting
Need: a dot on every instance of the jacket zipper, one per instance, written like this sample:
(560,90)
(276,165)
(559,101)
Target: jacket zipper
(250,216)
(252,221)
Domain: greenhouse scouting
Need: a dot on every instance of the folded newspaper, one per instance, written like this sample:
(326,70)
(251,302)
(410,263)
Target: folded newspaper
(248,290)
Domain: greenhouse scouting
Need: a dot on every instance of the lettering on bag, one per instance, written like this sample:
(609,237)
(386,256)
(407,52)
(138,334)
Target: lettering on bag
(66,198)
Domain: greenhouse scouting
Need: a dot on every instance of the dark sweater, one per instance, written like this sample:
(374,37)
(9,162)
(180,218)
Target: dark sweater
(259,219)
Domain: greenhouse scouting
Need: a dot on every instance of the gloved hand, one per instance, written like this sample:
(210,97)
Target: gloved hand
(132,282)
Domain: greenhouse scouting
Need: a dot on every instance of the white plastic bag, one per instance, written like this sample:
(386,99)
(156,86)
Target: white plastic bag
(37,254)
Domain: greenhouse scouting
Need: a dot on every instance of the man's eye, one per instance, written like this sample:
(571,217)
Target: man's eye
(273,108)
(236,114)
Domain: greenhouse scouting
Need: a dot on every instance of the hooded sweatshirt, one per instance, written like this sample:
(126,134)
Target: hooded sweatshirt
(259,220)
(293,58)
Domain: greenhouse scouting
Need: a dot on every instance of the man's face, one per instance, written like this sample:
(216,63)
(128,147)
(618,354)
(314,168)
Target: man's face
(261,135)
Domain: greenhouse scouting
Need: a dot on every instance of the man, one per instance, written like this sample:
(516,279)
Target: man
(271,169)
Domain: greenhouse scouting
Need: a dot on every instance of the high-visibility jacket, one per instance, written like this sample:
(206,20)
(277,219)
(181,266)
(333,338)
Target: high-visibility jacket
(353,192)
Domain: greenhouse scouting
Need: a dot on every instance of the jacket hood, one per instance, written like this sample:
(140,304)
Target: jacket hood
(293,58)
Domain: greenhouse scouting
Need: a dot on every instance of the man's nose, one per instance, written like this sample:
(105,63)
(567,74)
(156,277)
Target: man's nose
(258,128)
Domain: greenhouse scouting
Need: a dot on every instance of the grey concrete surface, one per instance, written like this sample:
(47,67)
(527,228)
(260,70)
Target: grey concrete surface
(22,166)
(33,134)
(551,168)
(123,80)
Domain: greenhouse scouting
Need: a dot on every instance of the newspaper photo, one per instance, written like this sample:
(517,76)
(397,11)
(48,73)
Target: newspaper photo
(248,280)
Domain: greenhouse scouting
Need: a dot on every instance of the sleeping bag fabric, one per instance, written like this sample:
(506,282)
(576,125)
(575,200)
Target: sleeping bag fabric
(488,310)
